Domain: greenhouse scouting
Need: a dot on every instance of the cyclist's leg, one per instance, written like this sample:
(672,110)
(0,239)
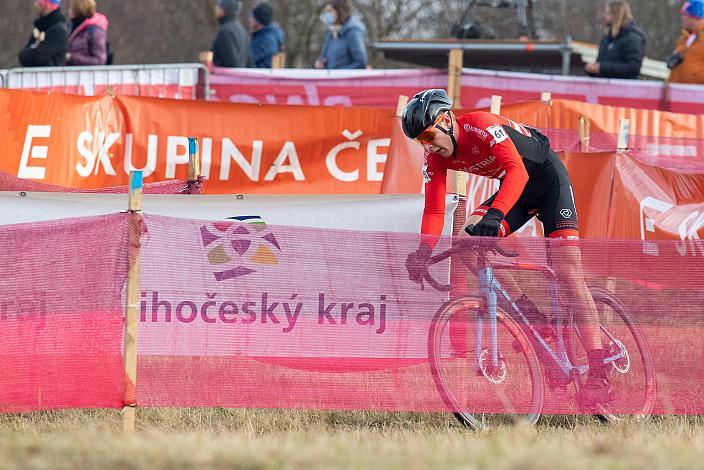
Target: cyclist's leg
(559,217)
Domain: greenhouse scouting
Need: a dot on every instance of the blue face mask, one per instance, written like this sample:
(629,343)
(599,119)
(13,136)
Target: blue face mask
(328,17)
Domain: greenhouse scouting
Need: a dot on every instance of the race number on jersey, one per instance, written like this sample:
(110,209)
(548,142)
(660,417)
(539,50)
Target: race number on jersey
(498,133)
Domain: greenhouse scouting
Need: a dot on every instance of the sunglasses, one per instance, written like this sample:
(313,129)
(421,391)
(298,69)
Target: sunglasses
(428,135)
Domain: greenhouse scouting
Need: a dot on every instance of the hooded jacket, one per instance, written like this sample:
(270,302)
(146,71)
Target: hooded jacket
(346,49)
(88,43)
(231,47)
(622,56)
(265,43)
(48,43)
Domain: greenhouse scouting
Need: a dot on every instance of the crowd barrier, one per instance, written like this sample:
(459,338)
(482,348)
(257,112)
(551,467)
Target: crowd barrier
(180,81)
(369,88)
(232,314)
(380,88)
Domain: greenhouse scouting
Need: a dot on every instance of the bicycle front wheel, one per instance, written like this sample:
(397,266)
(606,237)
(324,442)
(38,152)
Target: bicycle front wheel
(481,392)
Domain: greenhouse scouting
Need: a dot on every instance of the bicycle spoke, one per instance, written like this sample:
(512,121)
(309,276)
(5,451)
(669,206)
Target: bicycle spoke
(482,393)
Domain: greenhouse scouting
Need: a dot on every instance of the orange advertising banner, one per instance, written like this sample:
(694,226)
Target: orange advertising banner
(651,203)
(93,142)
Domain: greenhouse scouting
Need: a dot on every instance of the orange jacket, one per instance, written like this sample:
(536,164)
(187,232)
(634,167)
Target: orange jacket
(691,70)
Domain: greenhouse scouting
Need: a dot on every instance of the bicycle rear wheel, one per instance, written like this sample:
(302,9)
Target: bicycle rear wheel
(482,394)
(632,376)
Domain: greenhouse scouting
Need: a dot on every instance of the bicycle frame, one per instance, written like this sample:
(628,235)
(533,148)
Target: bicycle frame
(490,287)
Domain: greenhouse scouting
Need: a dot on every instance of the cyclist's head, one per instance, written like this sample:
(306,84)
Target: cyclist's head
(423,111)
(422,118)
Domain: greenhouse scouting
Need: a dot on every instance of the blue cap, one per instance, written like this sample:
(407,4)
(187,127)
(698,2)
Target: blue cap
(693,8)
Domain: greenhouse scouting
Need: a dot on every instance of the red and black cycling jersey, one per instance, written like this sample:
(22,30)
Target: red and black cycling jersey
(492,146)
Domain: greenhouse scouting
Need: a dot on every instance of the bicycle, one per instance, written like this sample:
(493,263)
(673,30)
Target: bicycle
(510,337)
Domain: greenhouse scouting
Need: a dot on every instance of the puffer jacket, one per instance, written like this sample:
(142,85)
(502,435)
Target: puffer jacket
(622,56)
(88,43)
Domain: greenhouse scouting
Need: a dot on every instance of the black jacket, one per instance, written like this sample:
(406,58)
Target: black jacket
(622,56)
(48,44)
(231,47)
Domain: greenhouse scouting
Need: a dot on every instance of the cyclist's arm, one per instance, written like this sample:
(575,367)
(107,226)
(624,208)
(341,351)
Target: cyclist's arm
(434,210)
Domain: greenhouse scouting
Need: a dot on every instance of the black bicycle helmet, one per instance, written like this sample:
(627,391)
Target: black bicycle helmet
(422,111)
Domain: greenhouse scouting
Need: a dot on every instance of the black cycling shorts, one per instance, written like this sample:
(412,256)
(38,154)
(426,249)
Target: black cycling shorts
(547,195)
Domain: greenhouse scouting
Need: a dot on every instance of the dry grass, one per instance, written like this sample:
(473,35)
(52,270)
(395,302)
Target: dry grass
(194,438)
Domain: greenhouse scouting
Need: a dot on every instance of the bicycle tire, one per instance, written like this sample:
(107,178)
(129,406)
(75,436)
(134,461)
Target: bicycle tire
(435,356)
(604,296)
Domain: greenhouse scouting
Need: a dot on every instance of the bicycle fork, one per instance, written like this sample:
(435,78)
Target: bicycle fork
(486,281)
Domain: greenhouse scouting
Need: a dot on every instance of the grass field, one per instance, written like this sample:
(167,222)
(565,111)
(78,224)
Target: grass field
(257,439)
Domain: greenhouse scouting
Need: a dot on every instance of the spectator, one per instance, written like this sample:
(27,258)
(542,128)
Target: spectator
(267,38)
(231,46)
(622,48)
(344,46)
(48,43)
(687,61)
(88,41)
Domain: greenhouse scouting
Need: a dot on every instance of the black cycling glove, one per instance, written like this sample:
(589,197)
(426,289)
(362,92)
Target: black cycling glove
(489,225)
(417,262)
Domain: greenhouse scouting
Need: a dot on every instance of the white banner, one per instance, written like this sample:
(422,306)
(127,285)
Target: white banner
(390,213)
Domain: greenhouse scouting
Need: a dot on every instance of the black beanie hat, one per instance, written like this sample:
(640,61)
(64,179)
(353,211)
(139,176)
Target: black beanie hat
(231,7)
(263,13)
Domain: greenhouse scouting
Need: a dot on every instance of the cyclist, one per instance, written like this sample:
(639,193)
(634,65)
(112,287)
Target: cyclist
(533,182)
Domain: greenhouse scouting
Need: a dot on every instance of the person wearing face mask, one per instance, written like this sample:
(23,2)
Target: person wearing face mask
(622,48)
(344,46)
(231,47)
(687,60)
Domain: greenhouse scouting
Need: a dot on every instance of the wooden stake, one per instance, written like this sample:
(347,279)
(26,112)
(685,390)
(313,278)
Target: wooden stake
(495,104)
(401,105)
(278,61)
(454,78)
(457,182)
(584,130)
(546,97)
(193,159)
(132,314)
(623,131)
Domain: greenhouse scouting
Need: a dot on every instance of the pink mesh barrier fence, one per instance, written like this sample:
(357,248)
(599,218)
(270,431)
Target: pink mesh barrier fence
(673,153)
(13,183)
(239,314)
(61,313)
(249,315)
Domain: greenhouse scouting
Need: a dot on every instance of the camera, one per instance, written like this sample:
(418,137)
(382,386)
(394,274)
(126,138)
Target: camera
(673,60)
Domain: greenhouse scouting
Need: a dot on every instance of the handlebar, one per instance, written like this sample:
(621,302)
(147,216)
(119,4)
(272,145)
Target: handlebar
(481,246)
